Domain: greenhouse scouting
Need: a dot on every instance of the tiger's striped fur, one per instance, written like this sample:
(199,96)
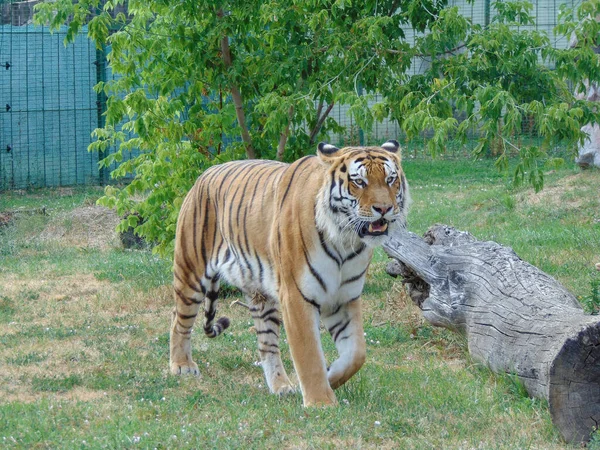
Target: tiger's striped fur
(297,239)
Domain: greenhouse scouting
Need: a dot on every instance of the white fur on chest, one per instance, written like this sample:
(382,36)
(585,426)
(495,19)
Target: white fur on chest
(334,281)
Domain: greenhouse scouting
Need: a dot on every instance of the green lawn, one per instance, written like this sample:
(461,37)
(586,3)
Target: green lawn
(84,335)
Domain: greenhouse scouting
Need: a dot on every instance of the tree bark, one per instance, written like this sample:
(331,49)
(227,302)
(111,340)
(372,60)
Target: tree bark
(516,318)
(237,100)
(320,121)
(284,135)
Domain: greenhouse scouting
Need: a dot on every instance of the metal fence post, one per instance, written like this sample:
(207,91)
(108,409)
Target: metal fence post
(101,104)
(361,133)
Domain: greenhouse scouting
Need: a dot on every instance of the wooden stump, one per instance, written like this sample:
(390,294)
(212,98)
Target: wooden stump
(516,318)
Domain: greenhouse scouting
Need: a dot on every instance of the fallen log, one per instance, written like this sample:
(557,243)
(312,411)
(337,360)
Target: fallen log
(516,318)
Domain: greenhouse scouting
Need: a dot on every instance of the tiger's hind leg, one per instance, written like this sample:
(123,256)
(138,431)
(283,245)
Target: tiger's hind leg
(267,322)
(346,328)
(189,296)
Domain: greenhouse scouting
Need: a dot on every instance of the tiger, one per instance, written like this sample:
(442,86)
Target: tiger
(297,240)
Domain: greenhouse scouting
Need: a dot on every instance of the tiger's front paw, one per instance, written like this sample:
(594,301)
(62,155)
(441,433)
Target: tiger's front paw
(327,398)
(187,368)
(284,390)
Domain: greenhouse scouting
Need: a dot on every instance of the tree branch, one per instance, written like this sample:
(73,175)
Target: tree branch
(423,55)
(319,123)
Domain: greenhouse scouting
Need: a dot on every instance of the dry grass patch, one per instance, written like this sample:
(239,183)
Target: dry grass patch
(399,309)
(565,192)
(22,394)
(86,226)
(51,301)
(72,287)
(65,327)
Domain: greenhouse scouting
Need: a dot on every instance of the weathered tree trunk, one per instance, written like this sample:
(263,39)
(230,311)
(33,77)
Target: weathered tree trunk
(516,318)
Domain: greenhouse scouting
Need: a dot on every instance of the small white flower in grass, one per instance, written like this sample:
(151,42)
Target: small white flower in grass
(136,439)
(345,401)
(377,423)
(163,399)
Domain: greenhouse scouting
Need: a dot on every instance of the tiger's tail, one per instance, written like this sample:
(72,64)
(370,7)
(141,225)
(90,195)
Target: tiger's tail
(211,328)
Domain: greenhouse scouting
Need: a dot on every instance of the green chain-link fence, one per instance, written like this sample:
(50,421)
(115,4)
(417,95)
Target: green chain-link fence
(48,107)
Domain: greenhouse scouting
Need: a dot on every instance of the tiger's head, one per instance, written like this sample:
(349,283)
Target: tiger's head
(365,193)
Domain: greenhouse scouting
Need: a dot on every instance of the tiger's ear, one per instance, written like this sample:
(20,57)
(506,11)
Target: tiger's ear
(326,152)
(391,146)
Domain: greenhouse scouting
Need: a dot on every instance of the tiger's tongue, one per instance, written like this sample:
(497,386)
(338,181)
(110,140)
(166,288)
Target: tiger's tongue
(377,227)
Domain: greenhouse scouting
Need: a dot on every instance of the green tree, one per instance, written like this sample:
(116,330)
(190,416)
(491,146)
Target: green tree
(202,82)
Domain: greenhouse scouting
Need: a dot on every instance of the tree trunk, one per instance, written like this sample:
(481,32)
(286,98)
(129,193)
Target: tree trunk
(320,121)
(237,100)
(516,318)
(284,135)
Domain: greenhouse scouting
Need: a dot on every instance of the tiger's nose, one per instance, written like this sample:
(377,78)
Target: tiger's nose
(382,209)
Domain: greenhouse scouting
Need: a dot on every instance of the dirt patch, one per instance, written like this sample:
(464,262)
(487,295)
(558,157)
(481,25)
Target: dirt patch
(5,219)
(84,227)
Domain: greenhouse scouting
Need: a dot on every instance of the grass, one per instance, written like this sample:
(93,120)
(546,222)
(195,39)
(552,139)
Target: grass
(84,336)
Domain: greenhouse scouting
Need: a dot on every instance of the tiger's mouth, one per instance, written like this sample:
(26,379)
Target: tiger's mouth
(377,228)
